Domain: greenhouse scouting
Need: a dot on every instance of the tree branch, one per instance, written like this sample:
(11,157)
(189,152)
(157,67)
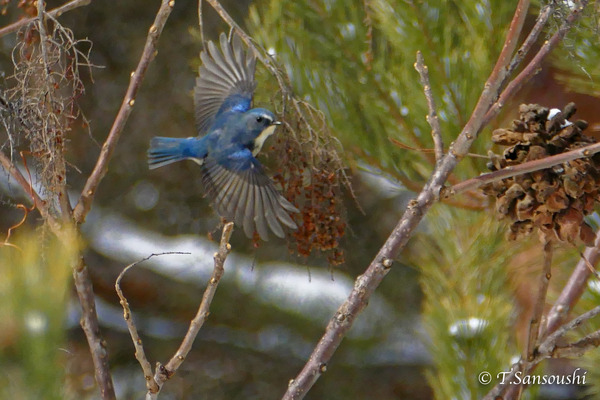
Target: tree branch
(432,117)
(91,328)
(89,191)
(140,354)
(524,168)
(57,12)
(164,372)
(538,309)
(548,349)
(574,288)
(38,202)
(535,64)
(578,348)
(204,309)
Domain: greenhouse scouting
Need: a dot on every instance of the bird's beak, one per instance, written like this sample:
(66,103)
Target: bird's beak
(277,123)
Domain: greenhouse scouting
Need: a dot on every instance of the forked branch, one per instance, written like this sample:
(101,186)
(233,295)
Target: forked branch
(155,382)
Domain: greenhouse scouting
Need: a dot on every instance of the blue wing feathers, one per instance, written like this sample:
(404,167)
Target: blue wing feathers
(235,102)
(225,81)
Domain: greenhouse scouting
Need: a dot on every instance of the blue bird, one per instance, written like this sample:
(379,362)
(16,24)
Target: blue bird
(231,134)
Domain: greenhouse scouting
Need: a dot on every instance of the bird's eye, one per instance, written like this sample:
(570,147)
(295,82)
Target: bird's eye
(259,118)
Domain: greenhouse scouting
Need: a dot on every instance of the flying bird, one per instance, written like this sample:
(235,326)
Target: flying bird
(231,134)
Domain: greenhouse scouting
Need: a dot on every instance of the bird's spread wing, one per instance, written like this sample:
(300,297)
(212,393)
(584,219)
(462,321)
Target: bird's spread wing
(241,192)
(225,81)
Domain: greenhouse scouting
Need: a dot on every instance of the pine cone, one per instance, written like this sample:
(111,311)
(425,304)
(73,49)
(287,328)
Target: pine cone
(554,200)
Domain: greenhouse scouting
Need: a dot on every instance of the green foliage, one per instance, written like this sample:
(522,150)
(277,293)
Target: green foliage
(356,65)
(468,307)
(33,303)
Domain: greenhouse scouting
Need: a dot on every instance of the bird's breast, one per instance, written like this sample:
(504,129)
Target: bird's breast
(260,139)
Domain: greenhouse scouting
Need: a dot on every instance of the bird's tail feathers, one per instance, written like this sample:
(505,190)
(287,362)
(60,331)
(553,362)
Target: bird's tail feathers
(166,150)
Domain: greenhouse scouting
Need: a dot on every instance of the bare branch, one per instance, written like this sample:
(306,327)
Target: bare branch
(89,191)
(535,64)
(549,344)
(201,21)
(432,117)
(531,39)
(540,22)
(57,12)
(40,204)
(548,349)
(140,355)
(574,287)
(164,372)
(578,348)
(91,328)
(207,298)
(524,168)
(538,308)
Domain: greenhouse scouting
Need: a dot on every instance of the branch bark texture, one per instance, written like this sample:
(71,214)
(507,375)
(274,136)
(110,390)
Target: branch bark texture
(574,288)
(89,191)
(57,12)
(164,372)
(91,328)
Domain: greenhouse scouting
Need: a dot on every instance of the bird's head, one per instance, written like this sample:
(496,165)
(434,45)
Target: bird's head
(261,124)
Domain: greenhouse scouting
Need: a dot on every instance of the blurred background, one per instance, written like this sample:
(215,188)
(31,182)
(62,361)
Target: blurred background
(457,300)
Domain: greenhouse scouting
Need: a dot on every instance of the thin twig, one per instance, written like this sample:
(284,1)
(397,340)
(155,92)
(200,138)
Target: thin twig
(538,308)
(164,372)
(40,204)
(574,288)
(534,65)
(89,191)
(579,348)
(548,349)
(43,35)
(531,39)
(549,344)
(91,328)
(201,21)
(57,12)
(533,36)
(432,117)
(442,73)
(524,168)
(552,331)
(140,355)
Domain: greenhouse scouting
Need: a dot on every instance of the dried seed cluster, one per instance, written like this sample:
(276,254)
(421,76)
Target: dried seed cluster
(553,200)
(314,187)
